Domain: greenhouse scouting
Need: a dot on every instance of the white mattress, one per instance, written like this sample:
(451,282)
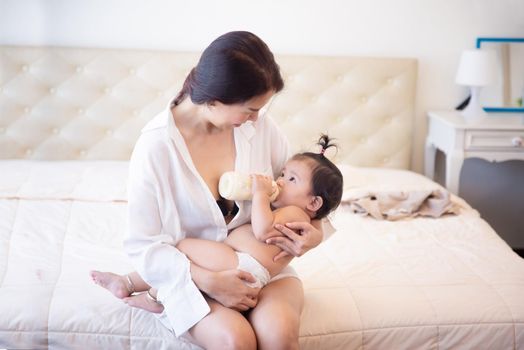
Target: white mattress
(414,284)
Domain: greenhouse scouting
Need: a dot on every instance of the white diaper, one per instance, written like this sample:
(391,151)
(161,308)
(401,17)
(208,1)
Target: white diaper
(249,264)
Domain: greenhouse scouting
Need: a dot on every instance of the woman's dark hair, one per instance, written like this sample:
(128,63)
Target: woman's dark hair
(327,181)
(234,68)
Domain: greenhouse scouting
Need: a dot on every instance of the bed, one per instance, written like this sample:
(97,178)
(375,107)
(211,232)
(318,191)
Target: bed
(68,121)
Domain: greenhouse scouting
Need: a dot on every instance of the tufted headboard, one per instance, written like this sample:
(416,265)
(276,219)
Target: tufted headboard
(82,103)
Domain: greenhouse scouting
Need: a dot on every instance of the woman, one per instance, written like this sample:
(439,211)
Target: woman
(173,194)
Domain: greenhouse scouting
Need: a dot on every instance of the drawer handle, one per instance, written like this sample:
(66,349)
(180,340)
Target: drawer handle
(517,141)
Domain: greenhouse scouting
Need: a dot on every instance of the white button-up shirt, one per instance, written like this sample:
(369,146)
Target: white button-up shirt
(169,200)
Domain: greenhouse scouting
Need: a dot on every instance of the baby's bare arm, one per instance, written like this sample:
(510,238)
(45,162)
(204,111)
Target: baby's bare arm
(282,216)
(262,217)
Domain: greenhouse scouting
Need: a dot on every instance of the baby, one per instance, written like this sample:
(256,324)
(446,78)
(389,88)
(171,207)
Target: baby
(310,187)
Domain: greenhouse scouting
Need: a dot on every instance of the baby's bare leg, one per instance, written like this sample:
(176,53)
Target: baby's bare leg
(120,285)
(145,301)
(123,287)
(211,255)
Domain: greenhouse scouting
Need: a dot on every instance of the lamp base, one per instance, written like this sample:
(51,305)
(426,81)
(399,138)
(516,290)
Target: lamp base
(474,113)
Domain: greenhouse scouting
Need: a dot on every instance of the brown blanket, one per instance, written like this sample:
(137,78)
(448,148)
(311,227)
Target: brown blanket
(394,205)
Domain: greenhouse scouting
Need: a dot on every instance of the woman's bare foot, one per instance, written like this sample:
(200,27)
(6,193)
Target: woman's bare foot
(116,284)
(142,301)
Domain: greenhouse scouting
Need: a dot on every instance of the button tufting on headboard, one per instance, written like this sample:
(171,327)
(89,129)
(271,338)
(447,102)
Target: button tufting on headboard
(77,103)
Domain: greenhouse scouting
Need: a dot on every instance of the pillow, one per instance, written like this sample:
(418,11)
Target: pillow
(101,181)
(360,182)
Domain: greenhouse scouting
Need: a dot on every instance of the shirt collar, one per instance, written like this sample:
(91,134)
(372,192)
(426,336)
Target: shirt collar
(247,130)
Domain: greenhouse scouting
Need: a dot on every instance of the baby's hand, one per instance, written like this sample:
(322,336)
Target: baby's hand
(261,183)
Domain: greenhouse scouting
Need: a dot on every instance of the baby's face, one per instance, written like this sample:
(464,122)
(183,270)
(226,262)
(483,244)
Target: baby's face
(295,185)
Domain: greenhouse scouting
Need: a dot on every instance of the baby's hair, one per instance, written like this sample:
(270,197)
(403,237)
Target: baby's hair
(326,178)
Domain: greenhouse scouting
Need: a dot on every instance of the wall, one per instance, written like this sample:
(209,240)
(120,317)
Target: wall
(433,31)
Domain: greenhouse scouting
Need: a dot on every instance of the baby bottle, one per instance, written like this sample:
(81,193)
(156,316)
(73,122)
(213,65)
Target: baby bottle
(237,186)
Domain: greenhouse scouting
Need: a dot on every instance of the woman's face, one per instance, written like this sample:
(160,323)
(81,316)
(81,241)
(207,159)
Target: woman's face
(234,115)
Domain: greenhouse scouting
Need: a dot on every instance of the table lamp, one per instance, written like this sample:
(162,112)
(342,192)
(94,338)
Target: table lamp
(477,69)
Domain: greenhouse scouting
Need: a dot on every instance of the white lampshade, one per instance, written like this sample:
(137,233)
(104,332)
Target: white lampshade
(477,68)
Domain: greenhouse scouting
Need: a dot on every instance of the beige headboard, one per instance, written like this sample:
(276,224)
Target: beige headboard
(78,103)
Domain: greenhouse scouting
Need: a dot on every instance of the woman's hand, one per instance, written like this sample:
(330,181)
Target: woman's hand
(297,239)
(227,287)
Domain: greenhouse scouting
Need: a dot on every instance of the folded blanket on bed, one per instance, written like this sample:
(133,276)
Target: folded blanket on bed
(393,194)
(394,205)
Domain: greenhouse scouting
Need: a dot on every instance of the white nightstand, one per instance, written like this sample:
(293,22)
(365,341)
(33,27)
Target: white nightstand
(497,138)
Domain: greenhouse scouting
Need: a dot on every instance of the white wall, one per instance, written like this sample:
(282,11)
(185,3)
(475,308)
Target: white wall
(433,31)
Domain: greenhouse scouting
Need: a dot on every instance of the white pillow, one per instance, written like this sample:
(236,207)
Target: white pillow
(360,182)
(64,180)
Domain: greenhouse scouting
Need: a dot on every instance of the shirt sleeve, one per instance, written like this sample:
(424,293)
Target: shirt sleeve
(150,245)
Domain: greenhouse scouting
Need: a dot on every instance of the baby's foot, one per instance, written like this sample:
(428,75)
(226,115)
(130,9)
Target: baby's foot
(114,283)
(142,301)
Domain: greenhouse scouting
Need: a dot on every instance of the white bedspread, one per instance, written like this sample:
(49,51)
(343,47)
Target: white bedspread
(422,283)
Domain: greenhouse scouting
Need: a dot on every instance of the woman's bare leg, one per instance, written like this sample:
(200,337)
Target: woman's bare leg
(276,318)
(223,328)
(120,285)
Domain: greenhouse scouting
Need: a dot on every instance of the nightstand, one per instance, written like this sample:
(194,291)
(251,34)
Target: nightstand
(497,138)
